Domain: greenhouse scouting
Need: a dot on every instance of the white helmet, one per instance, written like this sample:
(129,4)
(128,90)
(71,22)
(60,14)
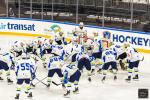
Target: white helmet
(48,42)
(25,56)
(89,42)
(126,44)
(81,24)
(39,40)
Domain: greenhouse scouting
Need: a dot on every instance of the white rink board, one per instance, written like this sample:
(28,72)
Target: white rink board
(110,90)
(139,40)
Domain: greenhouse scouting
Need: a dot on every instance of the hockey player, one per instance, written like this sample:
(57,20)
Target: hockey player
(47,46)
(60,38)
(94,57)
(79,32)
(77,48)
(98,48)
(46,51)
(25,71)
(97,51)
(83,60)
(96,64)
(89,45)
(18,48)
(6,61)
(72,76)
(31,47)
(38,43)
(109,59)
(71,72)
(121,54)
(54,66)
(133,59)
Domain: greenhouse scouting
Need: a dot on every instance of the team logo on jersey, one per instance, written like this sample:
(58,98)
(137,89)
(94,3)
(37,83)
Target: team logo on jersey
(106,35)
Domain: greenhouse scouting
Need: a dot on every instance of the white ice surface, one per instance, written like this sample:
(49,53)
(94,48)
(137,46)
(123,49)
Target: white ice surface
(110,90)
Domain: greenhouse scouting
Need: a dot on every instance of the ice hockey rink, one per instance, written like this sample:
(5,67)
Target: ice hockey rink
(95,90)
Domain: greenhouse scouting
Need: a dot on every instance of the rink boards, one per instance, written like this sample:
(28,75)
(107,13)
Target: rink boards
(45,28)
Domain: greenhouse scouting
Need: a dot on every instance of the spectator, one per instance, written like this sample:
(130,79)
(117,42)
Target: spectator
(98,20)
(11,12)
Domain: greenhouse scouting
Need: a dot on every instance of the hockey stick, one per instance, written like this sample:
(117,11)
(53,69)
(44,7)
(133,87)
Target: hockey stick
(142,58)
(33,79)
(41,81)
(56,83)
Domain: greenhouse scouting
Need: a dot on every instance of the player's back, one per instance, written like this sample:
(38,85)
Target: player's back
(82,55)
(78,48)
(117,48)
(55,62)
(57,49)
(109,55)
(24,68)
(6,57)
(70,69)
(132,54)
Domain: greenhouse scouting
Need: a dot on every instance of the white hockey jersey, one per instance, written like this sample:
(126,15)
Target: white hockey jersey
(68,49)
(77,48)
(70,69)
(18,46)
(24,68)
(82,55)
(97,44)
(132,54)
(58,49)
(46,44)
(108,55)
(118,49)
(55,62)
(79,32)
(6,57)
(58,37)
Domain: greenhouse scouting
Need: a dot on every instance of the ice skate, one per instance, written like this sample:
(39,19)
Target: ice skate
(99,71)
(136,78)
(30,95)
(115,78)
(103,79)
(92,71)
(128,79)
(9,81)
(89,79)
(76,91)
(1,78)
(17,96)
(48,85)
(67,94)
(32,84)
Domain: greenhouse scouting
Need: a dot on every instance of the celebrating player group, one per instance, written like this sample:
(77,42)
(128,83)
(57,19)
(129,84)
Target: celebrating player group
(68,58)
